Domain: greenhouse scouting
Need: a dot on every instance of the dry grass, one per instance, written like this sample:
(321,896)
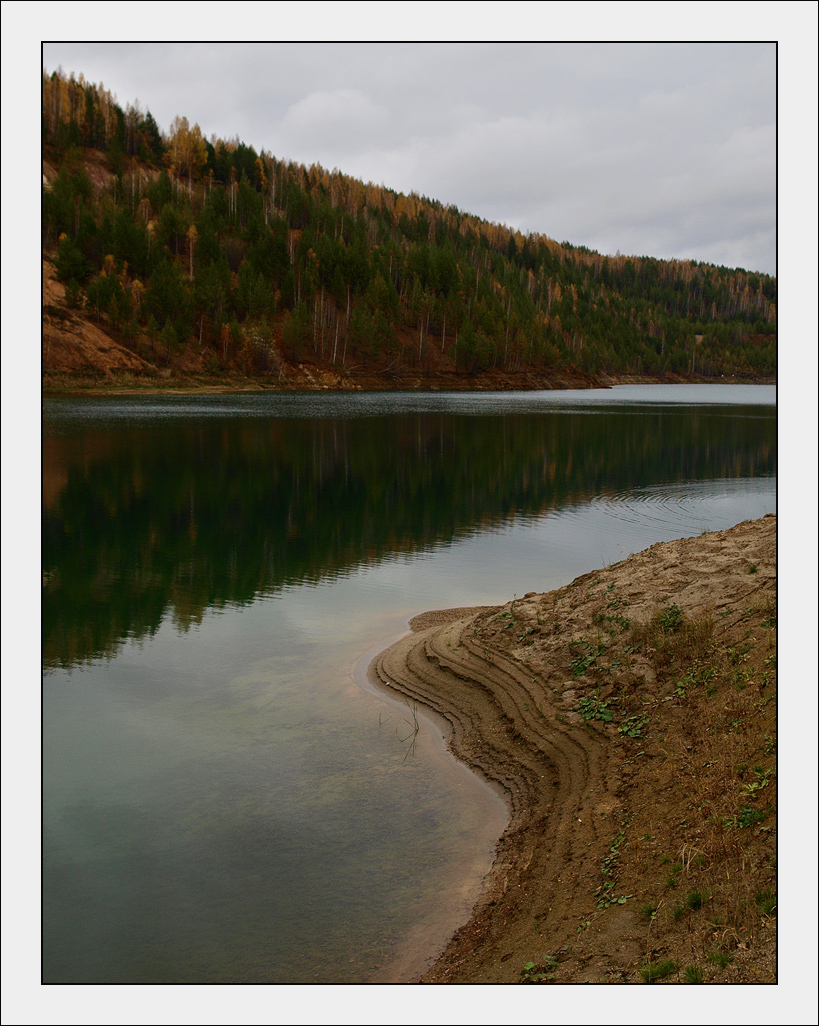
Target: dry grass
(673,640)
(706,856)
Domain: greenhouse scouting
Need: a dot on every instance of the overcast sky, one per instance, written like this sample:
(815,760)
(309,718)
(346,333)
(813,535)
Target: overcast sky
(667,150)
(663,149)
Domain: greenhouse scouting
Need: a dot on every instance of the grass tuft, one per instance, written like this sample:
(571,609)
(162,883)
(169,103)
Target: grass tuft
(720,958)
(694,900)
(766,900)
(652,972)
(673,639)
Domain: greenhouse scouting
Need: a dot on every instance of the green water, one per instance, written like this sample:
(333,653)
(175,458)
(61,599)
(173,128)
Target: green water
(224,796)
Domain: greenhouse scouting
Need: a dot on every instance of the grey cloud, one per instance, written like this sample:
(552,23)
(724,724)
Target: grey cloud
(333,120)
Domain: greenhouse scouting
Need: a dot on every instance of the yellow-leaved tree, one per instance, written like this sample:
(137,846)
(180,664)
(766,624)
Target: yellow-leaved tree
(187,154)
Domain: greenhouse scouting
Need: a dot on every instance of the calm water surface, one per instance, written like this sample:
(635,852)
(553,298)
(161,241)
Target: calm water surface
(224,796)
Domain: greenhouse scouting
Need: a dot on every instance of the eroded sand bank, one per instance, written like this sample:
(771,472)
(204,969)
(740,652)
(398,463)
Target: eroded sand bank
(630,719)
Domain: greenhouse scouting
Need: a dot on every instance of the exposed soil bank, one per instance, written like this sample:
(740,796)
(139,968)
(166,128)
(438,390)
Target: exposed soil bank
(303,379)
(315,379)
(630,717)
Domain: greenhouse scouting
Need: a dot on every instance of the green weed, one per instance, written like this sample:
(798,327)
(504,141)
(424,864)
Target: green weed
(581,664)
(658,970)
(633,726)
(544,972)
(670,620)
(758,784)
(696,674)
(694,900)
(672,639)
(594,709)
(608,870)
(766,900)
(748,816)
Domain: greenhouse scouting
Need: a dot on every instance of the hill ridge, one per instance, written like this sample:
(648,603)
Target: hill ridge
(210,263)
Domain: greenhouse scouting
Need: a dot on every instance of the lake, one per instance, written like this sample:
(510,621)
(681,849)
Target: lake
(225,796)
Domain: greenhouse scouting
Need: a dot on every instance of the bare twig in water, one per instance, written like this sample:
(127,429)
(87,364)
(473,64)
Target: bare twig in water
(415,727)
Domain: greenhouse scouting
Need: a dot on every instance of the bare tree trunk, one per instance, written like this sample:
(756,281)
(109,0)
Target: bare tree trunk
(506,339)
(323,319)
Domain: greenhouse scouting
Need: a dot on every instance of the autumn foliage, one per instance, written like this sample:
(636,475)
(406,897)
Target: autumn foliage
(204,244)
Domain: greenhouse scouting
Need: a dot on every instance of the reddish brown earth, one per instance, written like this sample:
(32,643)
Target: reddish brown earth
(630,717)
(73,345)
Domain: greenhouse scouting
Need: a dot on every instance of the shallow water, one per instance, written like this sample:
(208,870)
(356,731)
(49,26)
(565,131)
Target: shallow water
(224,797)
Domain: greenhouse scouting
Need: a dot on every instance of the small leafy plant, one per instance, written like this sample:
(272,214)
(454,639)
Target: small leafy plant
(608,870)
(760,782)
(633,726)
(582,663)
(696,674)
(746,817)
(594,709)
(544,972)
(670,620)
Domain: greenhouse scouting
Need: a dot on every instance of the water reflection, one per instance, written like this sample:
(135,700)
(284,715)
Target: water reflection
(143,518)
(220,801)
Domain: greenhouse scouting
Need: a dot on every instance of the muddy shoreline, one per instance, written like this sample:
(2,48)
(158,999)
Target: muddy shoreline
(623,749)
(459,384)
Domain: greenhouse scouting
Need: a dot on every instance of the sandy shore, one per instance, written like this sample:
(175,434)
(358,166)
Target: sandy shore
(630,719)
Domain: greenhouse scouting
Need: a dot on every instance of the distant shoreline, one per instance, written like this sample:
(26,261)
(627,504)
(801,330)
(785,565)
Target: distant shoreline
(249,386)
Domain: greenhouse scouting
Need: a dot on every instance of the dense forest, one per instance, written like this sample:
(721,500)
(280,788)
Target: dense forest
(207,257)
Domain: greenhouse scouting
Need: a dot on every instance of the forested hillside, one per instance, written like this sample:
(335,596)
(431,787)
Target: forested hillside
(168,256)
